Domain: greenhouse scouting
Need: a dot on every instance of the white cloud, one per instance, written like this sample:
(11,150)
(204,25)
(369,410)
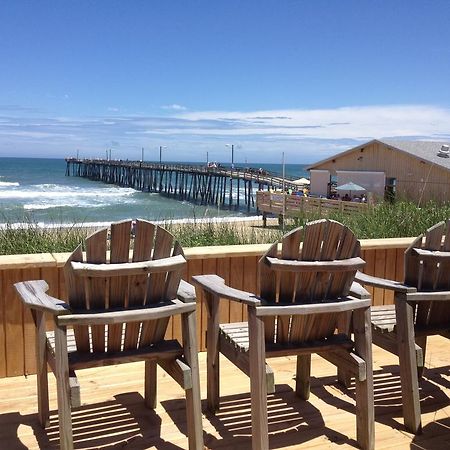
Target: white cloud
(174,107)
(339,123)
(305,135)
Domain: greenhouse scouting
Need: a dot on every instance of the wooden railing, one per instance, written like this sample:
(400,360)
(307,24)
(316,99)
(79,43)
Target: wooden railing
(236,264)
(291,205)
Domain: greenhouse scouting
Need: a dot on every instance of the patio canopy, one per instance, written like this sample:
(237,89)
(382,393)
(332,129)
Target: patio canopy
(302,180)
(350,186)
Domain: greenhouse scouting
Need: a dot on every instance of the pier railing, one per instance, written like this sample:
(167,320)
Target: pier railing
(291,205)
(217,185)
(236,264)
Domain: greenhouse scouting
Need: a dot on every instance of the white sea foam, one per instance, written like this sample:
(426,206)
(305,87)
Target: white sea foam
(73,194)
(9,183)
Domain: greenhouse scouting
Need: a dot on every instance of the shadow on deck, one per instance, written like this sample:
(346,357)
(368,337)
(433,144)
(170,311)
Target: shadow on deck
(109,420)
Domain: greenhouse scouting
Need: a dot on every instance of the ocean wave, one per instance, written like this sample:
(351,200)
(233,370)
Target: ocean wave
(26,194)
(42,206)
(9,183)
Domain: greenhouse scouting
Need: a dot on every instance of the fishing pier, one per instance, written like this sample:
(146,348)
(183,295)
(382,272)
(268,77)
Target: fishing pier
(221,186)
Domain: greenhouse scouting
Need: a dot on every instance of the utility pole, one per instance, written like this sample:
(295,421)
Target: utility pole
(142,156)
(232,154)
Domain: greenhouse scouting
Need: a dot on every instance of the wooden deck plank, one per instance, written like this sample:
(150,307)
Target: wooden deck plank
(113,413)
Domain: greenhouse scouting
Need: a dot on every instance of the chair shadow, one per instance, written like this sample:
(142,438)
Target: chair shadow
(438,430)
(292,421)
(388,395)
(123,423)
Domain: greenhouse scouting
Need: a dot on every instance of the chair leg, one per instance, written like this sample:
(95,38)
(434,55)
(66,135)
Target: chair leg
(422,343)
(212,353)
(41,369)
(193,395)
(408,365)
(344,326)
(365,413)
(258,388)
(150,384)
(63,388)
(302,379)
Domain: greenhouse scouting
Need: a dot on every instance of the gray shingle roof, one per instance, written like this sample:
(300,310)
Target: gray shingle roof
(426,150)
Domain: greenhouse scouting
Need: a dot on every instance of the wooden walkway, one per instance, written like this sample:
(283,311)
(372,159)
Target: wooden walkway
(291,205)
(197,183)
(114,416)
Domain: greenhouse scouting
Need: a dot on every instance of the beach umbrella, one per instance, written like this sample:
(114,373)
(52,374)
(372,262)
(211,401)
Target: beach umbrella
(302,180)
(350,186)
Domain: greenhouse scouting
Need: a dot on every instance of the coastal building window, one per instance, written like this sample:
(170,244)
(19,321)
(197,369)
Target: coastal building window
(390,189)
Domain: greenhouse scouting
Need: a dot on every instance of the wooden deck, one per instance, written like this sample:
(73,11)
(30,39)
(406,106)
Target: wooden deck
(114,417)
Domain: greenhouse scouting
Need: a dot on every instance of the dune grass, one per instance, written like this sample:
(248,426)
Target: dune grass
(31,238)
(388,220)
(402,219)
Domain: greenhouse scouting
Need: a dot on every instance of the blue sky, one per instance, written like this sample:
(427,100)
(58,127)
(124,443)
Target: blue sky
(308,78)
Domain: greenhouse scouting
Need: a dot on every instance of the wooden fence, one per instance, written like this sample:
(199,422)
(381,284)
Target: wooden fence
(236,264)
(291,205)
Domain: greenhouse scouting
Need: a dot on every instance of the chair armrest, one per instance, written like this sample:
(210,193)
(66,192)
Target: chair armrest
(434,255)
(33,294)
(186,292)
(171,263)
(435,296)
(383,283)
(357,291)
(349,304)
(337,265)
(216,286)
(149,312)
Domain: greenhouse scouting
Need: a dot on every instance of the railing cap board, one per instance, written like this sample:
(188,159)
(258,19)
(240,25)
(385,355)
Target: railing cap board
(27,261)
(218,251)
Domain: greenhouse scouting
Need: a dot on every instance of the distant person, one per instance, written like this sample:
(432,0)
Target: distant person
(346,198)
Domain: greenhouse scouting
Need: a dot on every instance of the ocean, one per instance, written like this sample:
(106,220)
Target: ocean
(37,190)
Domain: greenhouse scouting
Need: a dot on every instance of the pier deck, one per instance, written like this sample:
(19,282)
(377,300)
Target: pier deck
(197,183)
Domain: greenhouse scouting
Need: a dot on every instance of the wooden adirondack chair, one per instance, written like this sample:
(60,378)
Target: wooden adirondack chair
(117,311)
(422,308)
(305,296)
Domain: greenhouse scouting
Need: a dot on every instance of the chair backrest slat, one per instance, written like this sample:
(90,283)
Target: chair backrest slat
(153,331)
(429,272)
(77,298)
(290,245)
(349,247)
(97,288)
(322,240)
(267,283)
(142,251)
(118,286)
(163,247)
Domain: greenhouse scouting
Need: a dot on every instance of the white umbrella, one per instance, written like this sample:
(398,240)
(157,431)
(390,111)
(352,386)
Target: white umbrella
(350,186)
(302,181)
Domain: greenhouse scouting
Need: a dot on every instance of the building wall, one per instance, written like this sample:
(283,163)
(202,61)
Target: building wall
(416,180)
